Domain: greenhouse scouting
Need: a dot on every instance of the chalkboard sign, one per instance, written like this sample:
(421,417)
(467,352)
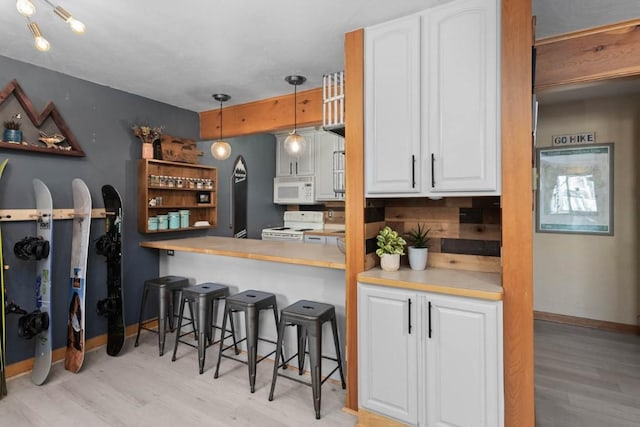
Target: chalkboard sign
(239,192)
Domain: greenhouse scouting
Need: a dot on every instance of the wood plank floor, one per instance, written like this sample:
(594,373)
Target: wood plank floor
(139,388)
(586,377)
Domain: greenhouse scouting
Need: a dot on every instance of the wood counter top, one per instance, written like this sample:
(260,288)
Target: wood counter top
(473,284)
(327,256)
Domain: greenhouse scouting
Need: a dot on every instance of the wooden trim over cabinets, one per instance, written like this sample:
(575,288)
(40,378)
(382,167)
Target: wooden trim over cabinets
(517,214)
(354,200)
(266,115)
(587,56)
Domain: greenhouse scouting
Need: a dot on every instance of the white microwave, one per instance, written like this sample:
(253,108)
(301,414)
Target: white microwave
(294,190)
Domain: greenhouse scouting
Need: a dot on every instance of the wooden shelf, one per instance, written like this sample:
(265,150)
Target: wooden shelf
(178,229)
(166,207)
(50,111)
(176,198)
(44,150)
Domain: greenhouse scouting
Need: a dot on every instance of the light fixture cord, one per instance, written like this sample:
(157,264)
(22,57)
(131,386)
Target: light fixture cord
(295,108)
(220,120)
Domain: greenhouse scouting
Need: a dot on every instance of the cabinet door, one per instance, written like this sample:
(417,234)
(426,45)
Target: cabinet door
(288,165)
(387,352)
(326,144)
(461,117)
(392,107)
(464,385)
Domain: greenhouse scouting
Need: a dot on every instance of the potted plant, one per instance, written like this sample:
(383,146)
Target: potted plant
(12,132)
(390,247)
(418,239)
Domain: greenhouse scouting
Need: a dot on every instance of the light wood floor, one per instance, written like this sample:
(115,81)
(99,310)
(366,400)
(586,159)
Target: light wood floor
(139,388)
(586,377)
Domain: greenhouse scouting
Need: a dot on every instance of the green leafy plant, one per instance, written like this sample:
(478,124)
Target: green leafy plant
(390,242)
(12,124)
(419,237)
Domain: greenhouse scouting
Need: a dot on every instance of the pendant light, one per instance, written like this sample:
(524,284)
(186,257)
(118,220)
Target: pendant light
(220,149)
(295,144)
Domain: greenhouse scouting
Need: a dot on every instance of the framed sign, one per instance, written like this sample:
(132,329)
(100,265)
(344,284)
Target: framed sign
(575,189)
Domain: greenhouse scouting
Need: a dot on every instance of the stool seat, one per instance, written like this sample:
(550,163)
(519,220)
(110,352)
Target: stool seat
(209,289)
(168,287)
(308,317)
(309,311)
(203,306)
(250,302)
(253,299)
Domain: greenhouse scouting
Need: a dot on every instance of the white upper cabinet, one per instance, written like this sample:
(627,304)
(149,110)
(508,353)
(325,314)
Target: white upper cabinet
(461,114)
(287,165)
(329,158)
(432,105)
(392,107)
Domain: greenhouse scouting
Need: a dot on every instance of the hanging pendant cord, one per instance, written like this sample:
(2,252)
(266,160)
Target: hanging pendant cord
(220,120)
(295,108)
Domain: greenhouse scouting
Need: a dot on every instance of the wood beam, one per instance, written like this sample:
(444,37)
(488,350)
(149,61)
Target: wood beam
(266,115)
(600,53)
(354,200)
(517,215)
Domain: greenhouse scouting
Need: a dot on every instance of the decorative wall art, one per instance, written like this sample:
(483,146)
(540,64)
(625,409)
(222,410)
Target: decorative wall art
(44,132)
(575,190)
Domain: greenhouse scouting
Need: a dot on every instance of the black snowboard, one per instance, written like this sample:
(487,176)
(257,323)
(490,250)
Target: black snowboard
(110,245)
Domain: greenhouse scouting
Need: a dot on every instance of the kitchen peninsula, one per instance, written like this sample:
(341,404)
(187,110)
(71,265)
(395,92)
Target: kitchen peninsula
(290,270)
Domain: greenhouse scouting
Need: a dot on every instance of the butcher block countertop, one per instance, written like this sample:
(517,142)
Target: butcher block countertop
(327,256)
(473,284)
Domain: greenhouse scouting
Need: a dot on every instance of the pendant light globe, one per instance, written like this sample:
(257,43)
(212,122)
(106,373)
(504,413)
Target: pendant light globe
(295,145)
(221,150)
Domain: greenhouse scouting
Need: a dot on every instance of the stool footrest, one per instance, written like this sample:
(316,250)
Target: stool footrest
(298,380)
(244,361)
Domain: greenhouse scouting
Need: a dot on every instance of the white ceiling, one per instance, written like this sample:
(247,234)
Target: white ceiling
(180,53)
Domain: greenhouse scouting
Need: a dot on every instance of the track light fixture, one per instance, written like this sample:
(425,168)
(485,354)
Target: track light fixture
(26,8)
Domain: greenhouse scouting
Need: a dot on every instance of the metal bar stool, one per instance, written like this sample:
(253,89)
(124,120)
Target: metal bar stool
(169,287)
(251,303)
(308,317)
(203,305)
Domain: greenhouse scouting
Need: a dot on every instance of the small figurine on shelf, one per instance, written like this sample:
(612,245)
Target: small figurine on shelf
(52,141)
(12,132)
(147,135)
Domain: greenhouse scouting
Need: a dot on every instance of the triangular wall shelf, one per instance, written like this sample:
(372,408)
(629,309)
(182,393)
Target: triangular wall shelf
(50,111)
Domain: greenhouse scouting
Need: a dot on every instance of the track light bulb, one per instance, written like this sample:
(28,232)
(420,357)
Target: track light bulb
(39,42)
(76,26)
(25,7)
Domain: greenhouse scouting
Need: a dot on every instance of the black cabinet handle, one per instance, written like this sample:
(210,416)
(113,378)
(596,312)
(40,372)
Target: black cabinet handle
(290,169)
(296,167)
(409,316)
(429,319)
(413,171)
(433,173)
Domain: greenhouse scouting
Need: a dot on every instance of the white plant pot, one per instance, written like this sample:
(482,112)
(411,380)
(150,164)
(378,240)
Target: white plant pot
(390,262)
(418,258)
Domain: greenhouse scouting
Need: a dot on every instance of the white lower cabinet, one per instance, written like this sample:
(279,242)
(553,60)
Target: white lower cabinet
(430,359)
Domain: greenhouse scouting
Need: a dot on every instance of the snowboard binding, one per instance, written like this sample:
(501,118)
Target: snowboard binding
(107,307)
(106,246)
(32,248)
(32,324)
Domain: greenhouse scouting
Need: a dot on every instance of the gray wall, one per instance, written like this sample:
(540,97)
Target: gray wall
(259,152)
(101,119)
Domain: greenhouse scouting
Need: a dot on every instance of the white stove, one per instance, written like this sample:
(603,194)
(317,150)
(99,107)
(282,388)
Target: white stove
(295,224)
